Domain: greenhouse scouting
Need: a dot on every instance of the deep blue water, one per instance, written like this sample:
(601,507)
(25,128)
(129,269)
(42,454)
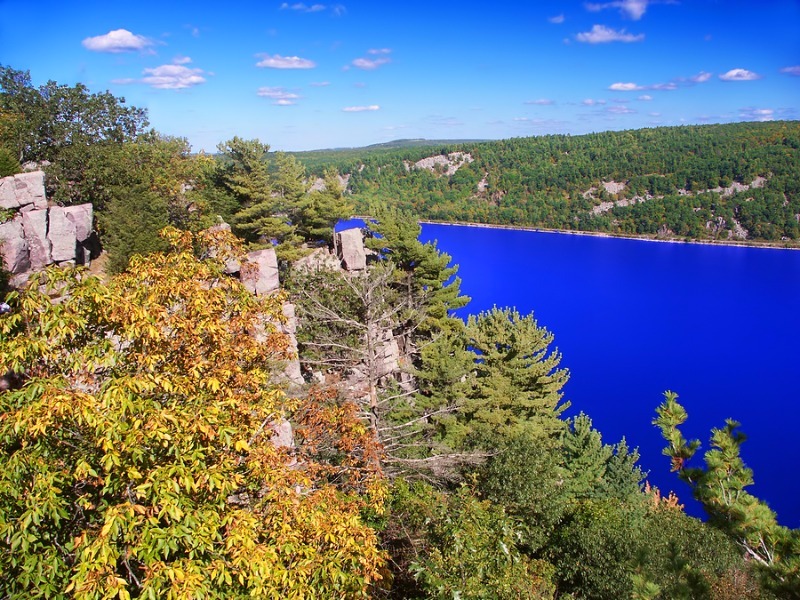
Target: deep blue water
(718,325)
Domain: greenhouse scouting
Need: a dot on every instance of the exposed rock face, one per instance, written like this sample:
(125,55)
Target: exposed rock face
(24,191)
(34,226)
(319,259)
(38,236)
(350,243)
(14,247)
(61,234)
(260,273)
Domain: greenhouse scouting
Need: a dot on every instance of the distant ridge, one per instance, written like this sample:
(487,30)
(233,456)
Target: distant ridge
(393,145)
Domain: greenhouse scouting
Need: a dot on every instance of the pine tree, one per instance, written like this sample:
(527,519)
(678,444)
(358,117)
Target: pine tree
(518,383)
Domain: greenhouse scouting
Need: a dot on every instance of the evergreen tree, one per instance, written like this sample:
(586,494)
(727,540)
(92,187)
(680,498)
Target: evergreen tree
(720,488)
(517,382)
(320,210)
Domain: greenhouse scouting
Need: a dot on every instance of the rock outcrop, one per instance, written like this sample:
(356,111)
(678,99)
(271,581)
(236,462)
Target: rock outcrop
(37,235)
(350,245)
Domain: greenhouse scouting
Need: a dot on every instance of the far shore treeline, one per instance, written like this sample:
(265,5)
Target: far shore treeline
(152,445)
(733,182)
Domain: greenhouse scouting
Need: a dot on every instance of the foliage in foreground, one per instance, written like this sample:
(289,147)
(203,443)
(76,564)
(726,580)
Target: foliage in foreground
(136,457)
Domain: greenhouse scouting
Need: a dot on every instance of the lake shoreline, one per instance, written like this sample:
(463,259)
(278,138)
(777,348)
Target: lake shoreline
(602,234)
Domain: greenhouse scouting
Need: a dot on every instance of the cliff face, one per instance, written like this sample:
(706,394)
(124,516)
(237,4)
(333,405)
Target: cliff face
(39,235)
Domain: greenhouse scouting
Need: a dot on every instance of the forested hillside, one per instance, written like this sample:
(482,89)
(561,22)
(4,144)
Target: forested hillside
(738,181)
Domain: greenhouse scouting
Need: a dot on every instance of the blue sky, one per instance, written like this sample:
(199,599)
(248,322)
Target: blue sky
(302,76)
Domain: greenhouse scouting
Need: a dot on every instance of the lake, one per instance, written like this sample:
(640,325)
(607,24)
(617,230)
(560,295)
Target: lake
(718,325)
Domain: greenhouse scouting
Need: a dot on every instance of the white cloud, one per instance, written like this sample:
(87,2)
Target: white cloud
(794,70)
(374,51)
(281,96)
(625,87)
(320,83)
(173,77)
(663,87)
(620,110)
(739,75)
(119,40)
(593,102)
(368,64)
(371,107)
(757,114)
(541,102)
(701,77)
(181,60)
(645,97)
(300,7)
(276,61)
(600,34)
(633,9)
(556,20)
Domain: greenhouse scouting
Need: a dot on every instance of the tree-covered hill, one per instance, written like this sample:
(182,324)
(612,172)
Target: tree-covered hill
(737,181)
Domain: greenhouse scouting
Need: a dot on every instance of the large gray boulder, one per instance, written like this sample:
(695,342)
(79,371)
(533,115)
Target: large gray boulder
(14,247)
(350,243)
(34,226)
(62,235)
(259,274)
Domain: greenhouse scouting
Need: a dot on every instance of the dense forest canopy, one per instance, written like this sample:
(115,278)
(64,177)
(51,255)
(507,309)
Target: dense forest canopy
(140,413)
(713,182)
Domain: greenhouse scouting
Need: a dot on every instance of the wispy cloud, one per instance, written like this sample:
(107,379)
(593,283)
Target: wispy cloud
(320,83)
(619,109)
(701,77)
(756,114)
(668,86)
(181,60)
(593,102)
(337,9)
(557,20)
(739,75)
(371,107)
(794,70)
(276,61)
(300,7)
(645,97)
(280,96)
(626,87)
(600,34)
(370,64)
(541,102)
(632,9)
(117,41)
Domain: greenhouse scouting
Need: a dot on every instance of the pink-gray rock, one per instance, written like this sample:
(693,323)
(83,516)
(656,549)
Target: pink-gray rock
(14,247)
(62,235)
(82,216)
(282,434)
(34,226)
(351,249)
(259,274)
(17,191)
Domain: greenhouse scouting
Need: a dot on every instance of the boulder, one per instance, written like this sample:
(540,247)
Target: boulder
(34,226)
(62,235)
(8,196)
(14,247)
(259,275)
(23,189)
(319,259)
(82,217)
(351,249)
